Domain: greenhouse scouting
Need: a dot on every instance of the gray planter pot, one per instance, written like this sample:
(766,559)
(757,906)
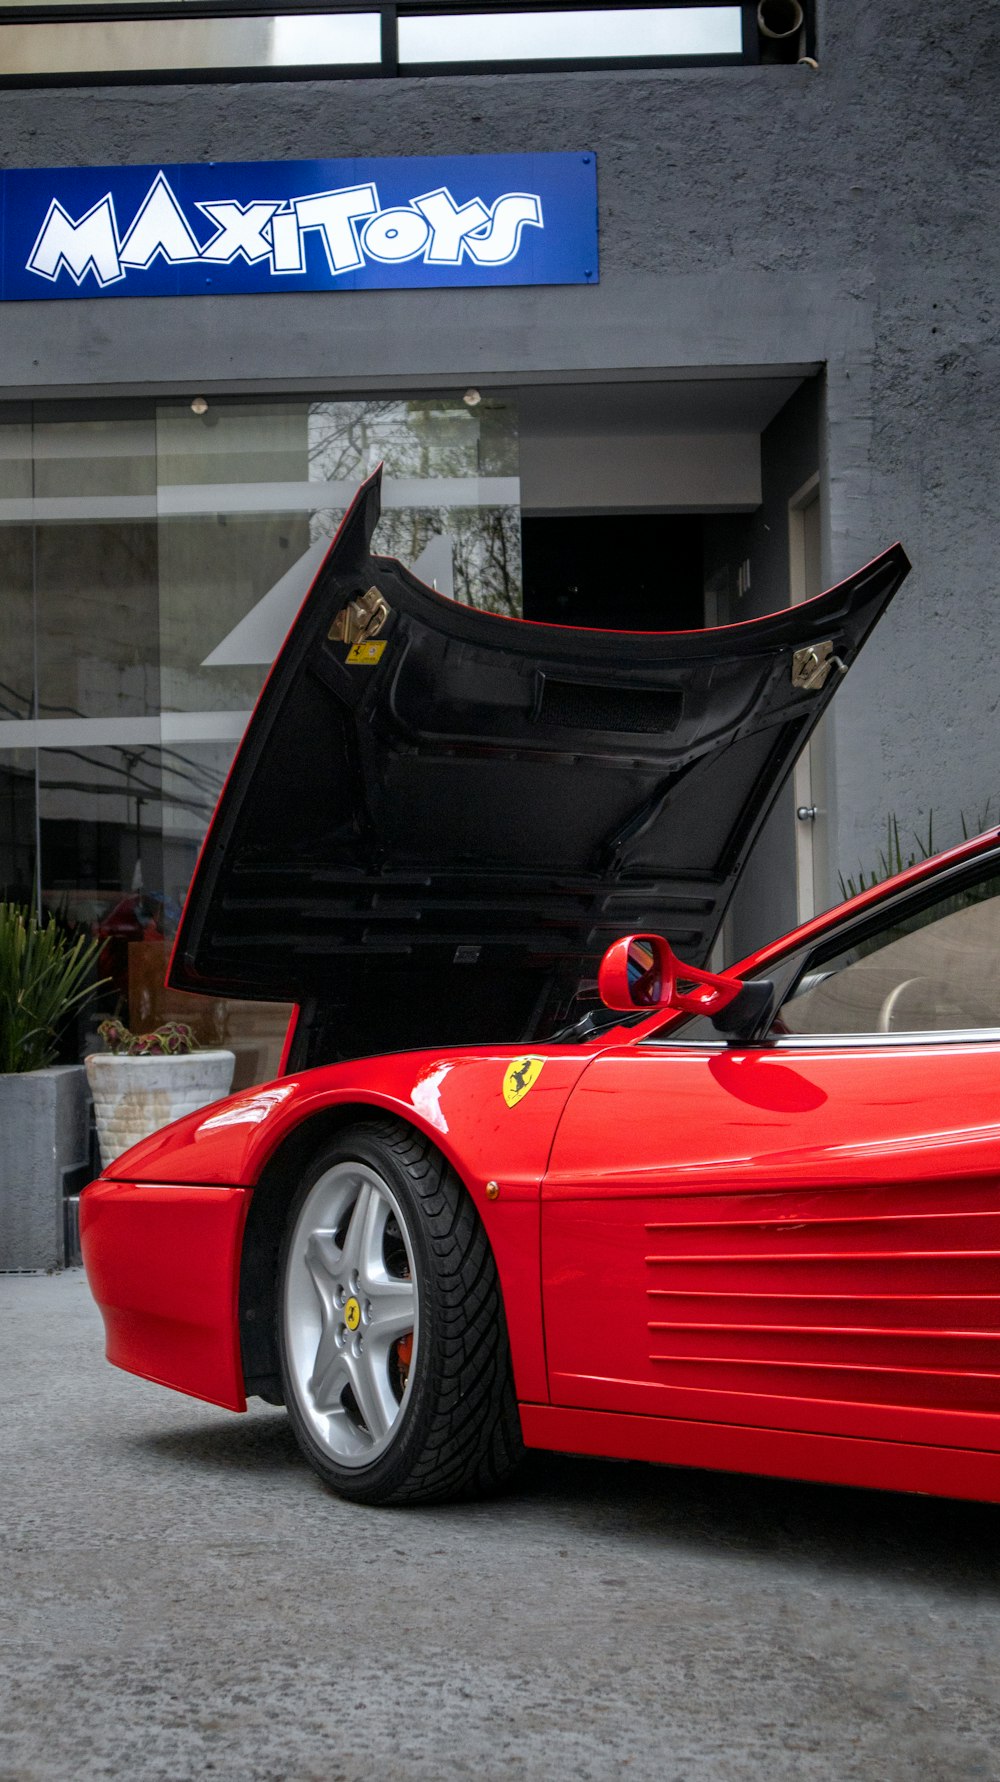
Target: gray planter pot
(134,1097)
(43,1139)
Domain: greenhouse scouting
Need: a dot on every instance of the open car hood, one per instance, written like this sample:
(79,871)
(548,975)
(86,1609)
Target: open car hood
(430,837)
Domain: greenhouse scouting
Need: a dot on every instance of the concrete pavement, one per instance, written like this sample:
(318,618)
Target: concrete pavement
(181,1598)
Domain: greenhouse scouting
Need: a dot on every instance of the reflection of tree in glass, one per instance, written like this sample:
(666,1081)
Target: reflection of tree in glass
(488,559)
(430,441)
(345,438)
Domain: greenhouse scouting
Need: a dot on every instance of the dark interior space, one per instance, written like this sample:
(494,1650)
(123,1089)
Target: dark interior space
(17,834)
(617,572)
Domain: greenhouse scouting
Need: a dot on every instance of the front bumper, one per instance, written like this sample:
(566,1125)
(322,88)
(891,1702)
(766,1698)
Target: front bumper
(163,1264)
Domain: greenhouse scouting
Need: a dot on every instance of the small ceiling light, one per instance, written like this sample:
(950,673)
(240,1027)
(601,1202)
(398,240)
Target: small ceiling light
(199,406)
(471,398)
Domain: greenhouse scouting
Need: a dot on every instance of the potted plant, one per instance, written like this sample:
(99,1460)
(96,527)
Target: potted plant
(46,975)
(145,1080)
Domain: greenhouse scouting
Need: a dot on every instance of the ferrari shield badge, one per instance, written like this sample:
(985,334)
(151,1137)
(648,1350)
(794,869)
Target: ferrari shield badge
(521,1075)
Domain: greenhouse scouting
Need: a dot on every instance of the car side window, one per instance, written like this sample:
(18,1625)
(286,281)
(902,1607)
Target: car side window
(935,969)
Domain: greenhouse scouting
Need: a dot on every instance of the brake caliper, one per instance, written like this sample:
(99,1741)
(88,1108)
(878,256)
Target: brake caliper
(404,1355)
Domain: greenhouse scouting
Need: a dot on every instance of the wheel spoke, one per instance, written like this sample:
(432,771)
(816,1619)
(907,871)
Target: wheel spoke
(365,1386)
(366,1208)
(393,1309)
(324,1261)
(330,1375)
(370,1265)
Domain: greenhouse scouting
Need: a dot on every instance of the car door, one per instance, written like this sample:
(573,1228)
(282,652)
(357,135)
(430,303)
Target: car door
(803,1234)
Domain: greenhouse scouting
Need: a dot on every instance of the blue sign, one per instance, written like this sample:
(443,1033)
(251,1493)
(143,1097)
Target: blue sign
(359,225)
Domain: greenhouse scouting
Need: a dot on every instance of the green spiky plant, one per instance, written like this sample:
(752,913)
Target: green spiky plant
(980,822)
(45,976)
(893,859)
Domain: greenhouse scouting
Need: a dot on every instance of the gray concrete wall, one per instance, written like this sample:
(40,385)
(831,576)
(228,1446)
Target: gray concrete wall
(749,218)
(43,1136)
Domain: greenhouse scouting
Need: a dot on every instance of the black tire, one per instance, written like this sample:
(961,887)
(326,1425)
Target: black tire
(454,1429)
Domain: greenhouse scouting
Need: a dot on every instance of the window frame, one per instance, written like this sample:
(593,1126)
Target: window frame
(789,970)
(389,65)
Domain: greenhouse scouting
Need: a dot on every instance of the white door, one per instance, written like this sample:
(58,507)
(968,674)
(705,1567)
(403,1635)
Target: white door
(811,825)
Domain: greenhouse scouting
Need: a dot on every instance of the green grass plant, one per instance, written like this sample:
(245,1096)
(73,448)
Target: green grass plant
(894,857)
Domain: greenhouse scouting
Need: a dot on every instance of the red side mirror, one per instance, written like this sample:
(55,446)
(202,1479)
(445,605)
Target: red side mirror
(642,970)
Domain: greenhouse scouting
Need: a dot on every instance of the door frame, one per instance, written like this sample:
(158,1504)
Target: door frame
(809,781)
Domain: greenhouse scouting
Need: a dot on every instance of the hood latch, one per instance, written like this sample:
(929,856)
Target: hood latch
(361,619)
(812,665)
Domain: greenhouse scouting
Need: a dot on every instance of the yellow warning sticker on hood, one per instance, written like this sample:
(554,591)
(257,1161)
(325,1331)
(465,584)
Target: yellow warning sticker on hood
(365,655)
(521,1075)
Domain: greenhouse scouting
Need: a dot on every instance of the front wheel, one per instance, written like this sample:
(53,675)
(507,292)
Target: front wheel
(391,1328)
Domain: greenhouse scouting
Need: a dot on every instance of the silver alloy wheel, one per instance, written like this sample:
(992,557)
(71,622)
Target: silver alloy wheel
(350,1301)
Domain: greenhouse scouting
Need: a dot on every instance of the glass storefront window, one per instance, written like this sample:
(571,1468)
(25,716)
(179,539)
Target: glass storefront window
(249,496)
(17,622)
(151,561)
(18,825)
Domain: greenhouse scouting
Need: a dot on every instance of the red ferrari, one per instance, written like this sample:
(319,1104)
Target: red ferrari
(526,1179)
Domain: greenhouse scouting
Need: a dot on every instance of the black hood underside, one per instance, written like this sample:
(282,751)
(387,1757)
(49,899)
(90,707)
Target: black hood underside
(430,835)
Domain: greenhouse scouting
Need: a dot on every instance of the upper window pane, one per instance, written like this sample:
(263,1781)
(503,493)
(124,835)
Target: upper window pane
(933,971)
(325,40)
(561,36)
(94,469)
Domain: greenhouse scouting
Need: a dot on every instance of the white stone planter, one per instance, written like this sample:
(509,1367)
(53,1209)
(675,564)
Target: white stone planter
(134,1097)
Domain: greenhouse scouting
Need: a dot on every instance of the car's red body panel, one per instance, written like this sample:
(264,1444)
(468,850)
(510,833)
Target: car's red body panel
(457,1100)
(164,1267)
(746,1258)
(782,1454)
(801,1242)
(684,1238)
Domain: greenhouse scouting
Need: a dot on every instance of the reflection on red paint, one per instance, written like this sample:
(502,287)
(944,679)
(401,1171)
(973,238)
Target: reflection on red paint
(765,1082)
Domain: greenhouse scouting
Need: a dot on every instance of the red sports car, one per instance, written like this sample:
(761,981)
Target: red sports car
(525,1179)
